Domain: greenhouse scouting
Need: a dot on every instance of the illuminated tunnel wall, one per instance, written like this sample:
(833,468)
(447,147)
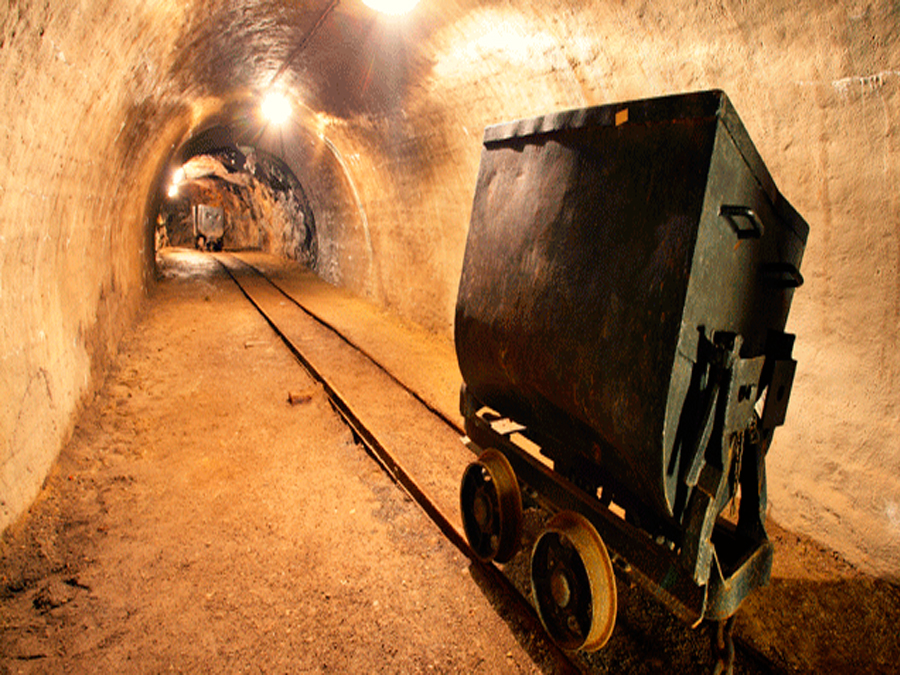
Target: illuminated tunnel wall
(99,98)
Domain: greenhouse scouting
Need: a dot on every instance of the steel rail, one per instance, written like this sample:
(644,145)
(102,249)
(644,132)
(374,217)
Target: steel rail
(377,450)
(434,410)
(401,477)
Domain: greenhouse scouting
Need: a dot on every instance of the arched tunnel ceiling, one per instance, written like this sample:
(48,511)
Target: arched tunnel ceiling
(104,99)
(341,58)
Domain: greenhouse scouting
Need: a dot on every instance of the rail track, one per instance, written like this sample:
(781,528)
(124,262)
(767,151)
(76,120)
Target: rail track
(395,424)
(433,488)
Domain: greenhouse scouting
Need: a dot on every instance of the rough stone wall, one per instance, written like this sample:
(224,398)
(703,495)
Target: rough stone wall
(96,97)
(264,208)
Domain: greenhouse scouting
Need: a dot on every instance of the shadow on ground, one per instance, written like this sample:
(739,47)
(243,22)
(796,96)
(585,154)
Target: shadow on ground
(836,620)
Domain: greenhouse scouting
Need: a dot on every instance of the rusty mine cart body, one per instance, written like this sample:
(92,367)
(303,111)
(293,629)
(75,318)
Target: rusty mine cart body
(620,331)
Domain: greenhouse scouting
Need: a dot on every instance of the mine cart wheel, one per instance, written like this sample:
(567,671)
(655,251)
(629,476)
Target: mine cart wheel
(573,584)
(491,505)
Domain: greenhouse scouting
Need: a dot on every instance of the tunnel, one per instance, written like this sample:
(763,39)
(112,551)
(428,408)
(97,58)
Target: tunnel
(120,115)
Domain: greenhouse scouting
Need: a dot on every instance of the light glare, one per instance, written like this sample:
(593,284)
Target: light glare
(276,108)
(392,7)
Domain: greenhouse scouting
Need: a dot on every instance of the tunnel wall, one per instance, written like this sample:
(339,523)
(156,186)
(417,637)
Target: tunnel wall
(79,124)
(345,256)
(96,99)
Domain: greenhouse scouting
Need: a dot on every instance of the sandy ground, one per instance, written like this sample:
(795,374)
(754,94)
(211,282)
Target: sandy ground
(198,522)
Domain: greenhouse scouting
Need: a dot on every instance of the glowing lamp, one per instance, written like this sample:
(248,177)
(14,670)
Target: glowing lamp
(276,108)
(392,7)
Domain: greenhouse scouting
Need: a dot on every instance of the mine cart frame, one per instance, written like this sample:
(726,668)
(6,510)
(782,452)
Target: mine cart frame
(741,553)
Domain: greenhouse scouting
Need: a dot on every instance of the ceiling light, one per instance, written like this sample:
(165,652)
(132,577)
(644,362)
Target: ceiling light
(392,7)
(276,108)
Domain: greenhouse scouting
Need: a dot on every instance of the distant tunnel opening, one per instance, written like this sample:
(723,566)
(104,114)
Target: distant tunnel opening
(224,195)
(283,189)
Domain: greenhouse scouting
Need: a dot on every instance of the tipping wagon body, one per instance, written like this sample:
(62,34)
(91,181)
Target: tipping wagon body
(625,287)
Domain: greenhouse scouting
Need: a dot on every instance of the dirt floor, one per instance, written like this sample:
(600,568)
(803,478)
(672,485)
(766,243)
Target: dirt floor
(200,522)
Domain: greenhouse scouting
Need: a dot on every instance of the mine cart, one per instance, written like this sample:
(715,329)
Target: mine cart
(620,331)
(209,226)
